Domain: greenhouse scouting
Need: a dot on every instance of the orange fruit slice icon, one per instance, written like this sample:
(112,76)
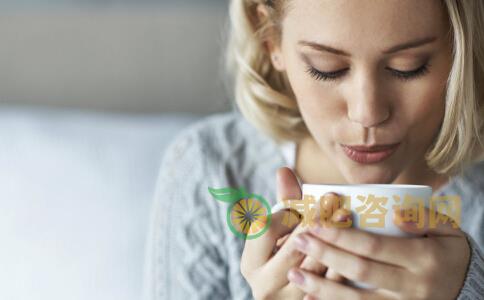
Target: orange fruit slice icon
(248,215)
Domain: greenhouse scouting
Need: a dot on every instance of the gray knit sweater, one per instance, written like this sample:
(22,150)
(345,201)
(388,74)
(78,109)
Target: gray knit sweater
(191,252)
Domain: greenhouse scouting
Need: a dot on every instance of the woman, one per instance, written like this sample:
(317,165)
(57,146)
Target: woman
(367,91)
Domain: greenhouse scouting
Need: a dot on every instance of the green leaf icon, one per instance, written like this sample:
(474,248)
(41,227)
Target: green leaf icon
(227,194)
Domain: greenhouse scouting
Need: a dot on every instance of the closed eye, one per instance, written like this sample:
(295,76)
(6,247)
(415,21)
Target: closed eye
(327,76)
(405,75)
(334,75)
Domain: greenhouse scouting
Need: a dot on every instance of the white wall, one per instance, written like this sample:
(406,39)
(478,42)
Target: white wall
(138,60)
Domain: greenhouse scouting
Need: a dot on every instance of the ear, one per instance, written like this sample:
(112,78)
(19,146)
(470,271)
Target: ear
(271,43)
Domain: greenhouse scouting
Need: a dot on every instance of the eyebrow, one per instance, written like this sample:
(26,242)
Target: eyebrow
(400,47)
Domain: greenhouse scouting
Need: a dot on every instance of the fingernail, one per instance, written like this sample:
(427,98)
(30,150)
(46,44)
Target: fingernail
(409,223)
(296,277)
(329,198)
(316,230)
(301,242)
(327,232)
(342,218)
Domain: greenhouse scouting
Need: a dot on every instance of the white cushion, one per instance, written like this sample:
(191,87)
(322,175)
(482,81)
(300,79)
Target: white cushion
(75,193)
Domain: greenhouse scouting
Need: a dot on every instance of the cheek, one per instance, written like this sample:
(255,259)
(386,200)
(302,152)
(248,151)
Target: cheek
(319,103)
(320,107)
(422,109)
(424,102)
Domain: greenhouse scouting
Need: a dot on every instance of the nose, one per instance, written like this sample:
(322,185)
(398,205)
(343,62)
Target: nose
(367,104)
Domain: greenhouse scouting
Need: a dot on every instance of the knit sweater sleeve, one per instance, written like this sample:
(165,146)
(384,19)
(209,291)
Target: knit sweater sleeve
(185,243)
(473,287)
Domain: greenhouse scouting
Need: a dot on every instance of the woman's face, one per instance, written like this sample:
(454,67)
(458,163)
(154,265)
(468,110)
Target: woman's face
(368,72)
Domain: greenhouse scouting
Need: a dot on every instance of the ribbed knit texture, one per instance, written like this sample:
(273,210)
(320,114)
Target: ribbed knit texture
(191,252)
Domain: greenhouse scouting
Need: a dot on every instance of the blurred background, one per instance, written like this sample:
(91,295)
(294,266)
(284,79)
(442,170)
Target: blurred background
(117,55)
(91,92)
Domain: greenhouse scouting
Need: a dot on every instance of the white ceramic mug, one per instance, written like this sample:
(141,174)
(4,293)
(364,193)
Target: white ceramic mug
(362,195)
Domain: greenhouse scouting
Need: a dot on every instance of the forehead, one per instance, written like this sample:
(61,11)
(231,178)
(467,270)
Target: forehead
(360,23)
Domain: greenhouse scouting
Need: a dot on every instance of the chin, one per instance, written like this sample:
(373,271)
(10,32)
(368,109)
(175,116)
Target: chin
(369,174)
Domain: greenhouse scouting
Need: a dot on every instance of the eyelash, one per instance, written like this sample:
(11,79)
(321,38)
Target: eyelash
(402,75)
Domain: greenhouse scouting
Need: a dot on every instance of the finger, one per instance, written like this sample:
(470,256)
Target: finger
(279,243)
(282,240)
(308,207)
(322,288)
(287,185)
(333,275)
(279,264)
(328,201)
(312,265)
(387,249)
(288,189)
(284,259)
(321,212)
(287,253)
(329,206)
(310,297)
(353,266)
(340,217)
(426,222)
(258,251)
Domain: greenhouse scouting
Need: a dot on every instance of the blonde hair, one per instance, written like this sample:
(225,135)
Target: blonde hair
(264,96)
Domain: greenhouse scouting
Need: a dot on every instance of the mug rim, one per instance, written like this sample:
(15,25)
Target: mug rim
(369,185)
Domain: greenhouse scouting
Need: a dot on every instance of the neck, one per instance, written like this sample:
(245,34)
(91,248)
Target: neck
(425,176)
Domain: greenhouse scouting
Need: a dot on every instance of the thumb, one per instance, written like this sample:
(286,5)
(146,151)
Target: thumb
(287,189)
(426,222)
(287,185)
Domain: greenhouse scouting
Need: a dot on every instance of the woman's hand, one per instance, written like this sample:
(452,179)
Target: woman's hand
(266,260)
(429,267)
(310,264)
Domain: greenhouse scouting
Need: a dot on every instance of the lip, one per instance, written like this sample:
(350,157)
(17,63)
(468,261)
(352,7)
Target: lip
(369,154)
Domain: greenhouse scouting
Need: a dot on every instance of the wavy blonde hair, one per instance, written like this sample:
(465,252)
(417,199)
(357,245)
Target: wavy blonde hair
(265,98)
